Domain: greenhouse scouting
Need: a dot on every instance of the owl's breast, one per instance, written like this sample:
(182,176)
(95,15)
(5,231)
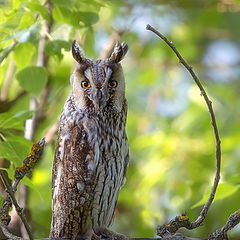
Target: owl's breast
(109,145)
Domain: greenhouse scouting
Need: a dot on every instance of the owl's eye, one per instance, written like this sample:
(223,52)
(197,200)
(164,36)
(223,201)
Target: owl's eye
(112,84)
(85,84)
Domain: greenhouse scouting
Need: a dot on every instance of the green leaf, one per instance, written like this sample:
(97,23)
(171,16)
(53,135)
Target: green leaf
(11,121)
(8,121)
(64,15)
(86,5)
(40,9)
(16,4)
(15,149)
(54,48)
(64,3)
(224,190)
(23,54)
(32,79)
(24,115)
(75,18)
(12,19)
(83,5)
(26,21)
(89,41)
(88,18)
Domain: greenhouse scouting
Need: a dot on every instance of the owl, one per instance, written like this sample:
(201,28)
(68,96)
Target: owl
(92,152)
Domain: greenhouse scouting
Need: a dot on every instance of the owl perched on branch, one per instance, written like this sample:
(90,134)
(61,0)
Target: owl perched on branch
(92,152)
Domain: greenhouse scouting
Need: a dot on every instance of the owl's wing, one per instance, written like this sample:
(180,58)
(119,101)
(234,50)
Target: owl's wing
(69,178)
(126,159)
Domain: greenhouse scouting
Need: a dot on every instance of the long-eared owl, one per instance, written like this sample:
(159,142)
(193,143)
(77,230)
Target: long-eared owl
(91,155)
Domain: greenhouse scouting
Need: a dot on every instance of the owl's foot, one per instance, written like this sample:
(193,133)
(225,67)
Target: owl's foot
(109,235)
(86,236)
(96,237)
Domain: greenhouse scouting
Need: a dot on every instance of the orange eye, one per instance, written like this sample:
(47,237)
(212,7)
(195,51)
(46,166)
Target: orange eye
(112,84)
(85,84)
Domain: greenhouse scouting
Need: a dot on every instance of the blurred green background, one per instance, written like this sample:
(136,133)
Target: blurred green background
(172,162)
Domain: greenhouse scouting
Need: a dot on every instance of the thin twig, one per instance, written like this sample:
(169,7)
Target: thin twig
(7,233)
(205,208)
(7,51)
(17,207)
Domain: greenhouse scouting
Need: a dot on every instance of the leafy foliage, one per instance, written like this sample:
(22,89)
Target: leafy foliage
(172,145)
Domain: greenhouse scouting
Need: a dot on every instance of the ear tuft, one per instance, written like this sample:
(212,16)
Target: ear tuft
(119,52)
(77,52)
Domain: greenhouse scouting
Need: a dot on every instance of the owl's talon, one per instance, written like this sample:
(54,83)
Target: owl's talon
(96,237)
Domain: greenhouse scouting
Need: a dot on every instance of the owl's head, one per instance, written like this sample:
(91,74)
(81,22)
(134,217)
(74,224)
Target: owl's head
(98,85)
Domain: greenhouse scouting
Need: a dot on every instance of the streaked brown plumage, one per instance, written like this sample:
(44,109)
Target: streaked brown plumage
(91,156)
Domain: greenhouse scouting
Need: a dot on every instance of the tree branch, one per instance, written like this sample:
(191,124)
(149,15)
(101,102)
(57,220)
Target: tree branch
(27,166)
(183,221)
(7,233)
(232,221)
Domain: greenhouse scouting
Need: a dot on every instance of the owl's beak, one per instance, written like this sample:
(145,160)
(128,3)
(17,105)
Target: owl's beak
(98,98)
(99,94)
